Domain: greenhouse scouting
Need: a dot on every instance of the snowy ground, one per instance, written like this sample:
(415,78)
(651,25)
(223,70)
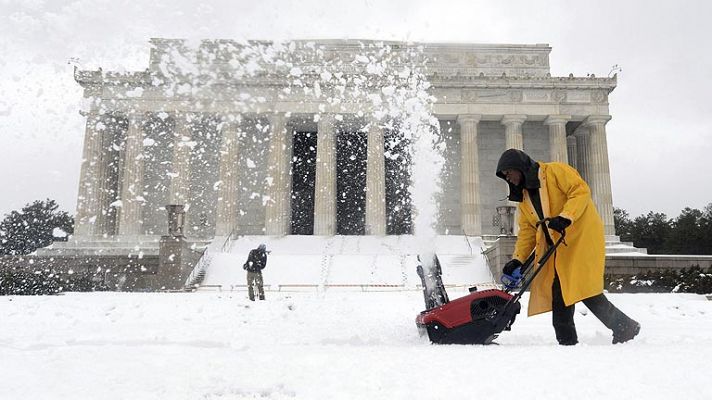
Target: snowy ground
(334,345)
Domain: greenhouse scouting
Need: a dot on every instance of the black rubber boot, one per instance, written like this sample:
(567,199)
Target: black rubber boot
(624,328)
(627,333)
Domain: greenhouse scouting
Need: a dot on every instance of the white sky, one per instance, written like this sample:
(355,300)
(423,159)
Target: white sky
(659,139)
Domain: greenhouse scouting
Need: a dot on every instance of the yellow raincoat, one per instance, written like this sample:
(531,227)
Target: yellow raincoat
(580,263)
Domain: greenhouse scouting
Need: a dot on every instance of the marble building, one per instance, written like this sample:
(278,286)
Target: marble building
(279,139)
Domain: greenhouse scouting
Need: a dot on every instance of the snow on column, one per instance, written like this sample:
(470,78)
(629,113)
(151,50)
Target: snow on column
(226,222)
(558,150)
(599,170)
(89,185)
(375,182)
(469,175)
(325,185)
(279,182)
(132,186)
(513,131)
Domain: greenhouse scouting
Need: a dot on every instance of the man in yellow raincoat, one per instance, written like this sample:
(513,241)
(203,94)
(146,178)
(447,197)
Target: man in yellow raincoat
(575,272)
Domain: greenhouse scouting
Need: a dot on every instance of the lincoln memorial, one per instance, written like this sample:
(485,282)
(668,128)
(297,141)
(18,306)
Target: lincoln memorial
(261,138)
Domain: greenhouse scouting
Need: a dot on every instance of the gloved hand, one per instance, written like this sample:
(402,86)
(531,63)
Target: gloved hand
(559,223)
(512,274)
(510,266)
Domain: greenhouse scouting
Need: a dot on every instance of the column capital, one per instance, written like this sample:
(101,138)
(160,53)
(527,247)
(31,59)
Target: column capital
(231,117)
(136,117)
(326,118)
(230,124)
(277,123)
(557,119)
(513,119)
(596,120)
(276,117)
(464,118)
(184,119)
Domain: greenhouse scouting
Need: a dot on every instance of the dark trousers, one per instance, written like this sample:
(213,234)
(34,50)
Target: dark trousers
(254,281)
(563,316)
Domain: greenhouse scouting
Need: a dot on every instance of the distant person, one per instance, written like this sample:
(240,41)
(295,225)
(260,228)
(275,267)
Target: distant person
(256,262)
(575,272)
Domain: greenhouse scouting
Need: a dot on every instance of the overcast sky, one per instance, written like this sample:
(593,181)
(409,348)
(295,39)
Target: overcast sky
(659,140)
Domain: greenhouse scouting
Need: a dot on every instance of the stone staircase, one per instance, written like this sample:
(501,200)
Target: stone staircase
(615,246)
(341,262)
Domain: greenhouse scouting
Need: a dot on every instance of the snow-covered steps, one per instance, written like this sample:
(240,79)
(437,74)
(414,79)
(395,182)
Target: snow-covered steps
(345,262)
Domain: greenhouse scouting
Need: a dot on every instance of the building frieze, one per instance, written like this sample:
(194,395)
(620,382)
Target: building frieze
(443,80)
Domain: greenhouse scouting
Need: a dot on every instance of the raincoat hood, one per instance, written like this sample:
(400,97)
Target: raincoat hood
(519,160)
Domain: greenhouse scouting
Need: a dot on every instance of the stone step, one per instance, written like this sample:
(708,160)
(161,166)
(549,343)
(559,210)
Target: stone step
(613,245)
(460,261)
(627,249)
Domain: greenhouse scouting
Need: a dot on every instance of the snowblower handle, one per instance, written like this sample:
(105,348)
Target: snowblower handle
(529,278)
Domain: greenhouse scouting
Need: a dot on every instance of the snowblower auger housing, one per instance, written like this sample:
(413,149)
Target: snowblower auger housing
(477,318)
(481,316)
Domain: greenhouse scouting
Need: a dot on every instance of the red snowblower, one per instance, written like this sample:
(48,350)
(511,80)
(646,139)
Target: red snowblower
(479,317)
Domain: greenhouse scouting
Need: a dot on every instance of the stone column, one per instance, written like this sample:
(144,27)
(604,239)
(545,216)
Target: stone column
(513,131)
(180,165)
(513,140)
(581,135)
(375,181)
(599,174)
(279,184)
(112,131)
(325,185)
(132,186)
(469,176)
(558,150)
(571,150)
(88,207)
(226,220)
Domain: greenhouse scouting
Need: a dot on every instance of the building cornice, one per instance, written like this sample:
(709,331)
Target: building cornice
(149,78)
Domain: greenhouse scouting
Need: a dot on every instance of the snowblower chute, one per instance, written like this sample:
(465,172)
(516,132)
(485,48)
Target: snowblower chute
(479,317)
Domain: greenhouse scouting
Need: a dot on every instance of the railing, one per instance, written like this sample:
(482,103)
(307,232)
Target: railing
(196,276)
(467,240)
(365,287)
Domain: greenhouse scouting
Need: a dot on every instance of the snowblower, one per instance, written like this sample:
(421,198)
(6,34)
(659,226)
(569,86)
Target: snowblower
(479,317)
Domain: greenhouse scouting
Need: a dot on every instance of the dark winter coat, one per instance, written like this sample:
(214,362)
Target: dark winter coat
(256,261)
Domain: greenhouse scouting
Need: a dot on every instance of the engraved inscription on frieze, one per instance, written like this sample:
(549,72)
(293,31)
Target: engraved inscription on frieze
(599,96)
(558,95)
(528,60)
(471,59)
(535,96)
(450,58)
(493,95)
(578,96)
(516,96)
(469,95)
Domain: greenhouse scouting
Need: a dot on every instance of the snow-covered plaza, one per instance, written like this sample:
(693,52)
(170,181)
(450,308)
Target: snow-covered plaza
(335,345)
